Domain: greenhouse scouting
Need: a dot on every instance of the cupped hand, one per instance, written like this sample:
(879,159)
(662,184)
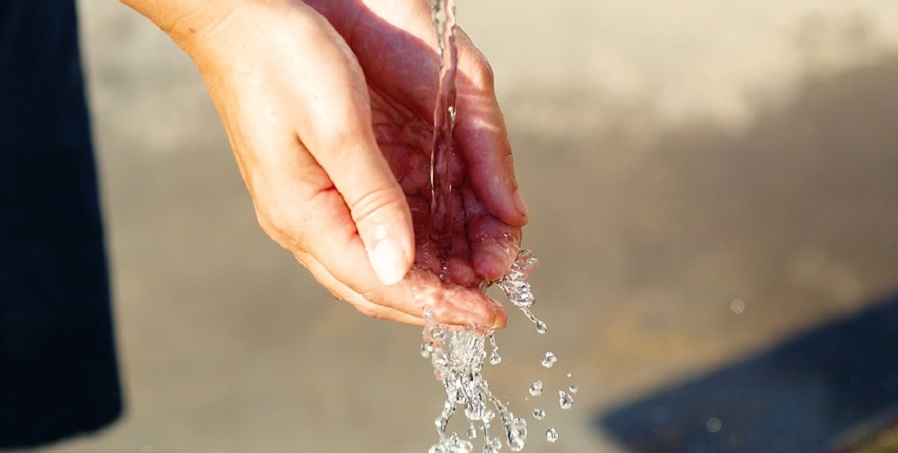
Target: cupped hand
(329,108)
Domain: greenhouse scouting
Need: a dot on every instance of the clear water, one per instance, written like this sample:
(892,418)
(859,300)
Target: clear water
(565,400)
(549,360)
(495,358)
(536,389)
(443,122)
(458,355)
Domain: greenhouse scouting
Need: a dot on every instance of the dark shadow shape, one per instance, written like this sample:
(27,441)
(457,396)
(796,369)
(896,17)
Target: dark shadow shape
(795,397)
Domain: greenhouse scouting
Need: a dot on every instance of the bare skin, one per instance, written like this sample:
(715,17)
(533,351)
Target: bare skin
(328,106)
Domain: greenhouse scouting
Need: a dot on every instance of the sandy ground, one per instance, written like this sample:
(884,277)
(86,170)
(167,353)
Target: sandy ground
(706,180)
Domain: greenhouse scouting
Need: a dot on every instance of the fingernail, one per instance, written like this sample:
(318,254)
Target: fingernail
(389,261)
(519,204)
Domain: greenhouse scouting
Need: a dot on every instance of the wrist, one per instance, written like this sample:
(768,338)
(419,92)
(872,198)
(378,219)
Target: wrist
(191,23)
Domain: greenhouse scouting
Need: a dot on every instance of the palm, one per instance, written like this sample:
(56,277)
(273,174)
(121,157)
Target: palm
(401,72)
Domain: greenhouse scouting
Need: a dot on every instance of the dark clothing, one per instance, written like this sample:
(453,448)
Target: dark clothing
(58,373)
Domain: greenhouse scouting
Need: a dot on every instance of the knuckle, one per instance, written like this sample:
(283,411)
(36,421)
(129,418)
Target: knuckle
(341,138)
(371,206)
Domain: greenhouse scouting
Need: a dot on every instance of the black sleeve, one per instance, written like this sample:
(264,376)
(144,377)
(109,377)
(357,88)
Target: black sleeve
(58,371)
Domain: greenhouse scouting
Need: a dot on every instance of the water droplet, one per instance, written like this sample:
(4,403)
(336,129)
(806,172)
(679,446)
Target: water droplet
(539,414)
(738,306)
(475,409)
(574,389)
(565,400)
(436,333)
(438,357)
(551,435)
(495,358)
(472,432)
(541,327)
(549,359)
(536,389)
(460,445)
(517,434)
(713,425)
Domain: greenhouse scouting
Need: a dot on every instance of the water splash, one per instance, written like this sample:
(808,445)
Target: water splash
(458,356)
(458,363)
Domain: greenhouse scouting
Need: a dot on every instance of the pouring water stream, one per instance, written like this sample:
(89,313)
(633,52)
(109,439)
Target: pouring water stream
(458,355)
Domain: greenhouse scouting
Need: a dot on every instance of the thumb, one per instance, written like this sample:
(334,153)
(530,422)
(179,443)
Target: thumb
(381,214)
(339,134)
(378,207)
(375,200)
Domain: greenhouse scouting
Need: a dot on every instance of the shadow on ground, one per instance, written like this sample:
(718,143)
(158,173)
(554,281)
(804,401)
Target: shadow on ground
(812,184)
(795,397)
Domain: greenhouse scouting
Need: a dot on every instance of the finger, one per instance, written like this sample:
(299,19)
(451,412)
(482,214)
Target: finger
(338,133)
(494,243)
(454,304)
(342,254)
(482,138)
(458,263)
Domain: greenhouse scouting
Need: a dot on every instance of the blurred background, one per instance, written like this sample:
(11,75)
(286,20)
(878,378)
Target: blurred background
(714,198)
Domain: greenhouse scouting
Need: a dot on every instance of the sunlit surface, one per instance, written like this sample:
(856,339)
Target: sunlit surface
(713,201)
